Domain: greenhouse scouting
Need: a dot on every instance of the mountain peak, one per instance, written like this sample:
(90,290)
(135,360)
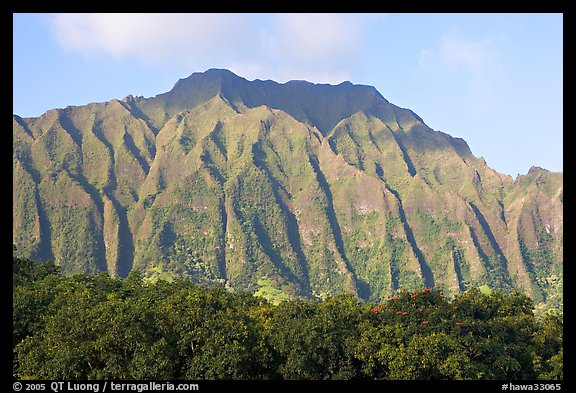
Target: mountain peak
(320,105)
(210,75)
(535,170)
(218,71)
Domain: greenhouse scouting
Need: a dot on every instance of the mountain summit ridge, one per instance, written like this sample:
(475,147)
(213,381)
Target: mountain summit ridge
(308,189)
(296,97)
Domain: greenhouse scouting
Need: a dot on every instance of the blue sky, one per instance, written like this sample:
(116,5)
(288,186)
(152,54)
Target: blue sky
(495,80)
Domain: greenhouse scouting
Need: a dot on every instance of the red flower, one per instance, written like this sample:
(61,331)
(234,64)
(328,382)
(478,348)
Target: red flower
(458,323)
(427,290)
(375,311)
(425,322)
(395,299)
(398,312)
(414,296)
(405,313)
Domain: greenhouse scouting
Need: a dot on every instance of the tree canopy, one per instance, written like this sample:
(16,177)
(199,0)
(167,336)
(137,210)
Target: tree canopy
(99,327)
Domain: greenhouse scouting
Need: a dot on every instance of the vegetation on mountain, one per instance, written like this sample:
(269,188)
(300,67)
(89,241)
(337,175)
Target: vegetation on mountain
(82,326)
(293,190)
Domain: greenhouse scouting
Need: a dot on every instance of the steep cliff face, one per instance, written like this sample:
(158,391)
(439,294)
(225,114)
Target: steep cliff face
(309,189)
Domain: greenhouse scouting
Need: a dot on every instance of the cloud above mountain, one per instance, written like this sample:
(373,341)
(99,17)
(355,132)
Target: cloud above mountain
(320,47)
(154,38)
(455,52)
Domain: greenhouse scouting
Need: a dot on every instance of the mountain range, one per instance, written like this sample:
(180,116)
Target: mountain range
(285,190)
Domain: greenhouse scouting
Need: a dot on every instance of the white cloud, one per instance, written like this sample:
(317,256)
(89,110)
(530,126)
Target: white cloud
(476,56)
(471,69)
(188,39)
(317,47)
(454,52)
(426,57)
(313,37)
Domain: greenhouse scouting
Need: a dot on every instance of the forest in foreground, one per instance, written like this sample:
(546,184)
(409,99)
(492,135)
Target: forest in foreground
(98,327)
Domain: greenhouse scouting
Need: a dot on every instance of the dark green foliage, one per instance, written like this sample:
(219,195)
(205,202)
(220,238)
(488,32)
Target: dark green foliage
(98,327)
(316,341)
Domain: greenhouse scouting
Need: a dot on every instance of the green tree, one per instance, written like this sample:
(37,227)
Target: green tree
(547,350)
(213,334)
(99,327)
(315,341)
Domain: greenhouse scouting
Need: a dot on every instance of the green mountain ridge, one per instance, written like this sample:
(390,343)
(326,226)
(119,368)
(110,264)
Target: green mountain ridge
(308,189)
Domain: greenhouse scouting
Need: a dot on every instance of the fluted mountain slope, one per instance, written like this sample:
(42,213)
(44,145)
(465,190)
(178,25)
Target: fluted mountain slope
(298,189)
